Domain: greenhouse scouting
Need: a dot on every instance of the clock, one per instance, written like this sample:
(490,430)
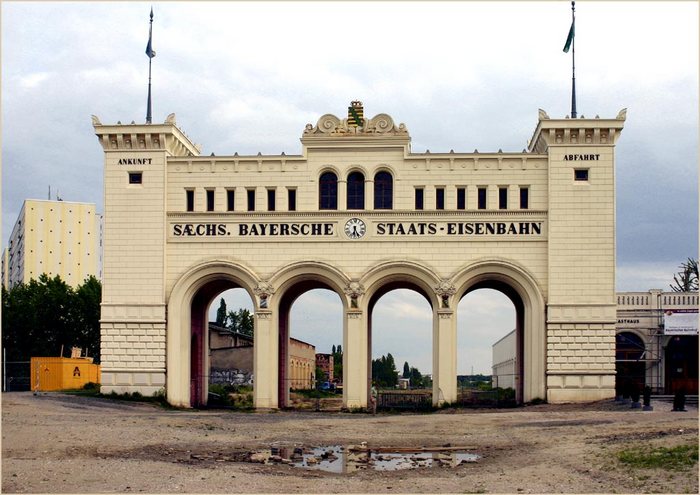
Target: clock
(355,228)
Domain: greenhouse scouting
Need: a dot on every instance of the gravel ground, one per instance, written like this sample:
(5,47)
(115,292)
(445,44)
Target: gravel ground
(56,443)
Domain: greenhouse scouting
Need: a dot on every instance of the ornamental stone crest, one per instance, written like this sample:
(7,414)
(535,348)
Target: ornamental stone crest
(355,125)
(263,290)
(354,290)
(445,290)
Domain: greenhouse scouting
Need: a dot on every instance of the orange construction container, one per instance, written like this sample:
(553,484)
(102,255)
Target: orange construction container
(58,373)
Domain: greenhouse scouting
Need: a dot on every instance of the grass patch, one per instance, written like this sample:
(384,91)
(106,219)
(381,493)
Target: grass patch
(93,390)
(677,458)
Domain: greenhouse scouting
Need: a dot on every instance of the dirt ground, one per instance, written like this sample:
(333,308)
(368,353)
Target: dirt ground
(56,443)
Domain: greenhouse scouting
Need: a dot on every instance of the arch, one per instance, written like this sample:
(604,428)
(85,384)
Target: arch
(328,191)
(630,369)
(383,190)
(356,190)
(291,282)
(191,291)
(522,288)
(681,364)
(386,277)
(310,270)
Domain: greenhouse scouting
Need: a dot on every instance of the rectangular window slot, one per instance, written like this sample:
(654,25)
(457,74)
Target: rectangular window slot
(502,198)
(190,199)
(251,199)
(135,177)
(581,175)
(210,200)
(292,199)
(230,199)
(440,198)
(481,198)
(524,197)
(271,200)
(461,198)
(419,198)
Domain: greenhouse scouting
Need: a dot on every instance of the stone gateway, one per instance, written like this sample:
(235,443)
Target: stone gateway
(358,213)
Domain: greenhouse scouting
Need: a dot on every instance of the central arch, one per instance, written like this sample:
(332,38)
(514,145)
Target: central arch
(520,287)
(409,275)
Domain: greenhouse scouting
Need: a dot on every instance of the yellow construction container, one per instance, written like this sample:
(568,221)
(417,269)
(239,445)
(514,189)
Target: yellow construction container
(58,373)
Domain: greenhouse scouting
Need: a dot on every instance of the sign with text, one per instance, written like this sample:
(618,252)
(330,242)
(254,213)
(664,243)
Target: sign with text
(356,229)
(681,323)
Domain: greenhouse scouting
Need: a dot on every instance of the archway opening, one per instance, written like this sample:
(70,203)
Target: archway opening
(681,358)
(310,346)
(630,370)
(490,336)
(400,340)
(231,331)
(487,364)
(203,334)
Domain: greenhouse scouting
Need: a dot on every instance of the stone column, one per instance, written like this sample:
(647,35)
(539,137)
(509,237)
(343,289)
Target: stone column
(355,351)
(444,357)
(444,346)
(265,361)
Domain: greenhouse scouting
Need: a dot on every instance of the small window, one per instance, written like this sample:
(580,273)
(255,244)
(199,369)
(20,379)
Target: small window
(439,198)
(524,197)
(135,177)
(292,199)
(419,198)
(481,197)
(271,200)
(461,198)
(210,200)
(230,200)
(581,175)
(251,199)
(502,198)
(190,199)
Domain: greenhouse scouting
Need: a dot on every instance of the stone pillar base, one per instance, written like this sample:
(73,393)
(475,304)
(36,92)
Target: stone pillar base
(563,388)
(145,382)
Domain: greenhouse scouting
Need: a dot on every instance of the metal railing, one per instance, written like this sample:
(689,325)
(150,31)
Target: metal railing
(16,376)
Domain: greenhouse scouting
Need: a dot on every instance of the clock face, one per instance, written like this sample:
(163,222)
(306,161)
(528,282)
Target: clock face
(355,228)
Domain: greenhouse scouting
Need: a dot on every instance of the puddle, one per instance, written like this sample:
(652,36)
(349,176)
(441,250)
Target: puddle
(338,459)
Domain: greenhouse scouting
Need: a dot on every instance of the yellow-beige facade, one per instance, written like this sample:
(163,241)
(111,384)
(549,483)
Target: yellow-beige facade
(56,238)
(357,212)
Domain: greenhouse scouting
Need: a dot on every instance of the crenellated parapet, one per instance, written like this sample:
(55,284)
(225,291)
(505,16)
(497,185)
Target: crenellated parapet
(581,131)
(142,137)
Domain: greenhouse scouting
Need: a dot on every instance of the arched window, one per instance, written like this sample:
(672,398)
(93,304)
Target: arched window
(383,191)
(328,191)
(356,191)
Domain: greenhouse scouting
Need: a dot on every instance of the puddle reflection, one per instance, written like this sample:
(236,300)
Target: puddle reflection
(339,460)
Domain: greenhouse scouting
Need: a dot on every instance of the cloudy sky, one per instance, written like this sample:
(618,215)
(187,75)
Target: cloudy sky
(246,77)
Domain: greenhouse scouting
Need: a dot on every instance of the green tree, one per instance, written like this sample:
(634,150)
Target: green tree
(241,321)
(87,317)
(686,280)
(416,378)
(384,371)
(338,362)
(221,314)
(406,370)
(44,315)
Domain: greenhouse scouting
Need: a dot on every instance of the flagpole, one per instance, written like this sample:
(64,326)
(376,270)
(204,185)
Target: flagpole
(150,60)
(573,63)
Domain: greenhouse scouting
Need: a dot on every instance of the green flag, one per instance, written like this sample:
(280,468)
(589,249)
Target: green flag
(570,38)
